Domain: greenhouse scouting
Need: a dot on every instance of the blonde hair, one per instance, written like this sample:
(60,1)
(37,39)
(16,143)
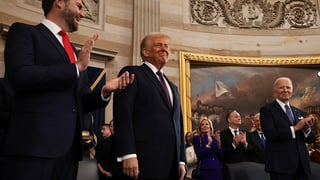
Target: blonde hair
(210,124)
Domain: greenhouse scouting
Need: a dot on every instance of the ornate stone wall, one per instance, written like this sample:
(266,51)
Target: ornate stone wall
(261,14)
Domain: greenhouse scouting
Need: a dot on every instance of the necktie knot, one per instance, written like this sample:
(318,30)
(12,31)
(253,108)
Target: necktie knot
(63,33)
(159,73)
(235,132)
(67,46)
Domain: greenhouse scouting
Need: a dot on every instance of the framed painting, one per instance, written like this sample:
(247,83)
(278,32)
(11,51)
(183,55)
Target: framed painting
(212,85)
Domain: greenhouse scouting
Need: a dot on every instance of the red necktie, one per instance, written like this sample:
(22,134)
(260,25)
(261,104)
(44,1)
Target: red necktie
(164,86)
(67,46)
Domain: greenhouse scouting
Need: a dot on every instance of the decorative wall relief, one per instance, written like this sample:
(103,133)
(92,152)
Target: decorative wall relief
(261,14)
(93,11)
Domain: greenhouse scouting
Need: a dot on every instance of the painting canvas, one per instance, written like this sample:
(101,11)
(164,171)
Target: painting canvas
(212,85)
(216,90)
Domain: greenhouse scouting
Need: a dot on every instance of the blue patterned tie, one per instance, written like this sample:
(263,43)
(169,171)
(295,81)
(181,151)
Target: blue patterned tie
(289,114)
(263,140)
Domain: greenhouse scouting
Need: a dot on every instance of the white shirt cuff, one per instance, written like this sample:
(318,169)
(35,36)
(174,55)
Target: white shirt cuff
(293,134)
(306,133)
(128,156)
(103,98)
(78,74)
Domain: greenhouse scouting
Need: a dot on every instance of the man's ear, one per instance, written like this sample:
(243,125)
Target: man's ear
(145,53)
(59,3)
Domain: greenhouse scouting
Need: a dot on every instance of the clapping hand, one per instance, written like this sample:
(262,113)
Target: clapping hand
(84,54)
(217,136)
(309,121)
(306,123)
(243,137)
(236,140)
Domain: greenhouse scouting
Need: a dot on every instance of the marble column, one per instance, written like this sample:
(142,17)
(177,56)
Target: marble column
(146,19)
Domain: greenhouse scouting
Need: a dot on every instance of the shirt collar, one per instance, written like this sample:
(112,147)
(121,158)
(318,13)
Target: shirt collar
(54,28)
(282,104)
(152,67)
(232,130)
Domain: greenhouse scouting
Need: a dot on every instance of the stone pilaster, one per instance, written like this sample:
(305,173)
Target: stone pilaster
(146,19)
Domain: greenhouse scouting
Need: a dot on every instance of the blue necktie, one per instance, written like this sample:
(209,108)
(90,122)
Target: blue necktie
(263,140)
(289,114)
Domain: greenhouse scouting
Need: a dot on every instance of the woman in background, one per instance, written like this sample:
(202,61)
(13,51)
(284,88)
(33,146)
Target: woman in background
(209,152)
(190,154)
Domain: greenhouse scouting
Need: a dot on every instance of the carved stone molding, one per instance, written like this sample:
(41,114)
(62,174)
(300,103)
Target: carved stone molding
(260,14)
(97,53)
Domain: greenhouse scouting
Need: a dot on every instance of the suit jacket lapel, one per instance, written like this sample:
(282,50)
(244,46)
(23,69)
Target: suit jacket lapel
(258,138)
(175,92)
(47,34)
(296,114)
(155,81)
(280,111)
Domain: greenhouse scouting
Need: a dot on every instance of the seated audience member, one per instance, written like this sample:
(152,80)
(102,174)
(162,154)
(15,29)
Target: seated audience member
(315,153)
(209,152)
(233,140)
(251,124)
(188,138)
(256,141)
(104,154)
(190,154)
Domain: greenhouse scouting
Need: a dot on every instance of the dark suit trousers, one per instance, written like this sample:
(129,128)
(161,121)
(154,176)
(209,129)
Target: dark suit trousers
(173,175)
(21,168)
(299,175)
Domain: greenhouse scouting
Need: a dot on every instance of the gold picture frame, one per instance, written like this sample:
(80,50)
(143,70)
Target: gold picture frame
(189,59)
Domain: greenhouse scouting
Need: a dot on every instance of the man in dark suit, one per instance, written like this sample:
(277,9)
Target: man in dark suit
(149,136)
(106,160)
(256,139)
(51,95)
(234,140)
(286,153)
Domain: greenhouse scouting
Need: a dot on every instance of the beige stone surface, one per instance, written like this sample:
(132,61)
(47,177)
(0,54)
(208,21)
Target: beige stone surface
(116,34)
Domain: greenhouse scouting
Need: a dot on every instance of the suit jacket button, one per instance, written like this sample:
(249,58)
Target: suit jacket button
(74,110)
